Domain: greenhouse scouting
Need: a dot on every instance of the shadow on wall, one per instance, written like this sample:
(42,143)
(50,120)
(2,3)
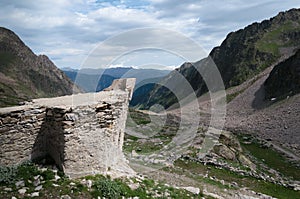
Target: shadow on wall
(50,141)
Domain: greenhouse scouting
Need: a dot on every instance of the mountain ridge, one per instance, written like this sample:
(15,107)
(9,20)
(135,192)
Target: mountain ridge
(25,76)
(242,55)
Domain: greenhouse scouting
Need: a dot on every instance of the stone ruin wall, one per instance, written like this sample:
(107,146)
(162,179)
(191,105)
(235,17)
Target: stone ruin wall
(83,133)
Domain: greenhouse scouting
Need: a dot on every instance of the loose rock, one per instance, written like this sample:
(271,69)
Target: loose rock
(38,188)
(22,191)
(35,194)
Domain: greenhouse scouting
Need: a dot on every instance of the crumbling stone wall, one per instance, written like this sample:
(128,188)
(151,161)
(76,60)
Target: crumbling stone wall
(18,132)
(83,133)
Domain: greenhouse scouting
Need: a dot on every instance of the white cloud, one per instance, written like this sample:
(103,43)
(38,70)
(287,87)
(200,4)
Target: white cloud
(67,30)
(64,51)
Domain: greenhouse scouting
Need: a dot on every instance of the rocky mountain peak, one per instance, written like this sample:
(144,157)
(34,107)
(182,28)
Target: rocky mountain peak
(25,76)
(10,42)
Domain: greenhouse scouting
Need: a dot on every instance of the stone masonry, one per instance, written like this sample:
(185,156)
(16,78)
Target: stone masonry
(83,133)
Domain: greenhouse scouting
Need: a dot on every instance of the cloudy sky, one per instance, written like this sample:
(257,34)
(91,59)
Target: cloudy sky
(113,33)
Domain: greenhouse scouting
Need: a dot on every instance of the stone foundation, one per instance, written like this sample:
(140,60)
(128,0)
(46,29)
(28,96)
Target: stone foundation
(83,133)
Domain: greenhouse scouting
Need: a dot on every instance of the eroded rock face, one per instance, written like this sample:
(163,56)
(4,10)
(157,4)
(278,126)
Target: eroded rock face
(83,133)
(224,151)
(284,79)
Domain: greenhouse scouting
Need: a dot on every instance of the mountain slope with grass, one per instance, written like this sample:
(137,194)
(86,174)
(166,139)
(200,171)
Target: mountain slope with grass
(260,69)
(25,76)
(242,55)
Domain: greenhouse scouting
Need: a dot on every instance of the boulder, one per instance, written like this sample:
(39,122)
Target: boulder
(224,151)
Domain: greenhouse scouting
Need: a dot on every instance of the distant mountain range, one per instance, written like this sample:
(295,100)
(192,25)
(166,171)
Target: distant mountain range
(24,75)
(242,55)
(92,80)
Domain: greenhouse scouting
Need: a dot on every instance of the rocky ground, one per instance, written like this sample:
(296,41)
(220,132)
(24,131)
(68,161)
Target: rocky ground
(238,166)
(275,121)
(41,181)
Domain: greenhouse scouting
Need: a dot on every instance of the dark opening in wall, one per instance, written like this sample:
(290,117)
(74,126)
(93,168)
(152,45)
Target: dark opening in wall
(50,141)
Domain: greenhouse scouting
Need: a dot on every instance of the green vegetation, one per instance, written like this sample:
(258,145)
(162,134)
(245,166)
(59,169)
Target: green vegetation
(108,188)
(193,169)
(272,40)
(220,177)
(25,171)
(10,97)
(5,59)
(156,133)
(105,187)
(272,159)
(8,174)
(101,186)
(138,117)
(243,72)
(30,174)
(141,147)
(231,96)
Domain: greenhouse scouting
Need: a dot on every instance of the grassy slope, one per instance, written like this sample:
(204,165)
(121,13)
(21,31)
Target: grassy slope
(102,186)
(196,170)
